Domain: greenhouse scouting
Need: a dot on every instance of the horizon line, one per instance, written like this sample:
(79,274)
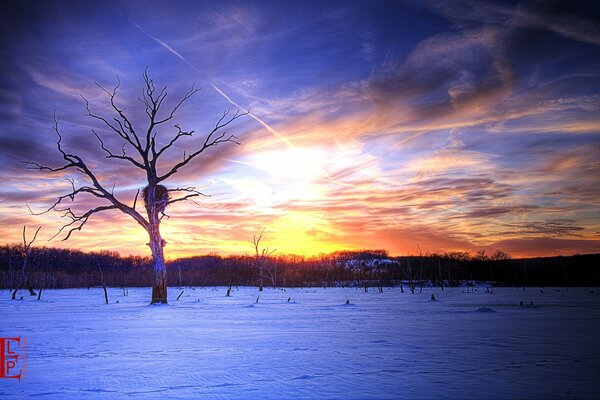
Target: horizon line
(308,256)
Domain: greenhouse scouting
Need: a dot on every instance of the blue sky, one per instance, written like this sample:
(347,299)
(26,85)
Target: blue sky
(453,125)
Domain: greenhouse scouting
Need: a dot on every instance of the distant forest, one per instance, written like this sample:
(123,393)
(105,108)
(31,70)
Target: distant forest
(54,268)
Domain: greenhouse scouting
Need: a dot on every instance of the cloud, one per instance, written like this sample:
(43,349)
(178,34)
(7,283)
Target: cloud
(571,21)
(551,228)
(533,247)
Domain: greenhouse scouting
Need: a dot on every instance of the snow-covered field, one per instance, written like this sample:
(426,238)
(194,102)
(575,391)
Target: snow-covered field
(389,345)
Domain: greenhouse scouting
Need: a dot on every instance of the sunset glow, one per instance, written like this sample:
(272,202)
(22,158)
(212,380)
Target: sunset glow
(381,125)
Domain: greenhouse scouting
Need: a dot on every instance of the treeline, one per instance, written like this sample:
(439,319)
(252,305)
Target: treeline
(58,268)
(54,268)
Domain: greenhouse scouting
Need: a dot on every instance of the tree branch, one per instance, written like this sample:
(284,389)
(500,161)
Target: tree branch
(123,156)
(135,199)
(179,134)
(193,193)
(122,127)
(78,221)
(212,139)
(27,245)
(97,189)
(153,102)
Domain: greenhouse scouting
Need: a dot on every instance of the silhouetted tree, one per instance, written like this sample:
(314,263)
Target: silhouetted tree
(25,282)
(261,259)
(142,151)
(103,282)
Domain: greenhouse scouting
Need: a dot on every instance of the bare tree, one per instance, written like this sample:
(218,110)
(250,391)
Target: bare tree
(25,282)
(142,151)
(261,259)
(421,267)
(271,271)
(102,281)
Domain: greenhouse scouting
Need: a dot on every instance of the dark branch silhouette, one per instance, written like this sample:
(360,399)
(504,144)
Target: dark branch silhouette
(261,258)
(25,282)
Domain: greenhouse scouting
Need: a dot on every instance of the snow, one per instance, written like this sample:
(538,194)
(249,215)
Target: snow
(387,345)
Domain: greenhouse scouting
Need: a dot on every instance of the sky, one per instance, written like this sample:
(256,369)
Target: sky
(401,125)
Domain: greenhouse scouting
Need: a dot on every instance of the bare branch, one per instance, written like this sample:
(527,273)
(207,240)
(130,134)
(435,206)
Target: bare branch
(27,245)
(180,133)
(153,103)
(256,239)
(135,199)
(163,214)
(212,139)
(189,94)
(134,139)
(97,189)
(123,156)
(34,165)
(266,253)
(72,161)
(119,127)
(78,221)
(193,193)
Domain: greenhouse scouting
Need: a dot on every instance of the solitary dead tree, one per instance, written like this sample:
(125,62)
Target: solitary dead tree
(102,282)
(141,149)
(25,282)
(261,258)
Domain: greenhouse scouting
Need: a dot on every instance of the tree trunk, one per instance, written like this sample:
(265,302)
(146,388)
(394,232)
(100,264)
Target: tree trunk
(440,275)
(103,283)
(159,287)
(105,294)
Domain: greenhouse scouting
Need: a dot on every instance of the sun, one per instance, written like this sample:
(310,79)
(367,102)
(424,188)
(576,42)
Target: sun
(292,174)
(295,163)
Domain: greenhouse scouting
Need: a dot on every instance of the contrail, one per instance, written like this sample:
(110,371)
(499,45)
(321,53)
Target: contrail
(253,116)
(240,162)
(173,51)
(215,87)
(163,44)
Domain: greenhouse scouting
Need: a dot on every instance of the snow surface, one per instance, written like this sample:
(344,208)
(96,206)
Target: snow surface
(389,345)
